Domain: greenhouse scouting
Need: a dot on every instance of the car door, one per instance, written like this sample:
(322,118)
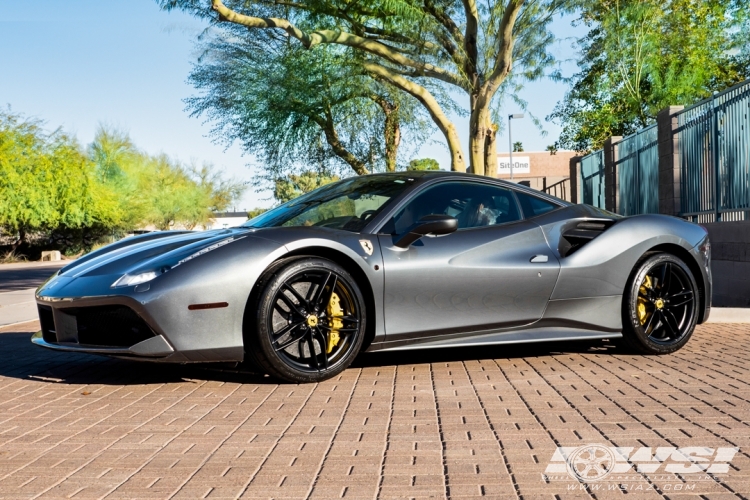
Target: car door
(496,271)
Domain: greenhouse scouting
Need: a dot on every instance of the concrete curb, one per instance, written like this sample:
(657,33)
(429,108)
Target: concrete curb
(16,327)
(729,315)
(17,307)
(36,264)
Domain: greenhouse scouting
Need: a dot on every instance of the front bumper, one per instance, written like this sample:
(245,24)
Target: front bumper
(154,347)
(104,326)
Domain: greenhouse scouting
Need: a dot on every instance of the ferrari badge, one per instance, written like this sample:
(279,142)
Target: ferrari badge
(366,246)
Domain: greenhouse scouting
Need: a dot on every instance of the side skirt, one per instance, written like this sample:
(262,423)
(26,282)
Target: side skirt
(541,334)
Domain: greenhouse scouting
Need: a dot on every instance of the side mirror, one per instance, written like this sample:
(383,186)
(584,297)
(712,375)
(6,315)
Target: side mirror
(436,224)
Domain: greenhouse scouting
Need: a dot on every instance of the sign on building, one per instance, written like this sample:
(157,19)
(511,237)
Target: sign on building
(521,165)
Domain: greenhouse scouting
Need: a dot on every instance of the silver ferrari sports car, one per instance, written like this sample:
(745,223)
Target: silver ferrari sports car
(408,260)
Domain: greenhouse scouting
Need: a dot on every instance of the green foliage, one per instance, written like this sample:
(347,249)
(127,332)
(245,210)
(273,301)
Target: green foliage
(291,186)
(46,181)
(295,108)
(428,50)
(49,184)
(424,164)
(156,189)
(518,147)
(641,56)
(251,214)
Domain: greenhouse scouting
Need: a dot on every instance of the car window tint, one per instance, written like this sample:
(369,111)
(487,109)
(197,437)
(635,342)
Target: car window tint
(533,206)
(349,204)
(473,204)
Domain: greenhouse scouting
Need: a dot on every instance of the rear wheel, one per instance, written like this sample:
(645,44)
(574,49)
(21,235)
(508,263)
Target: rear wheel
(309,321)
(659,305)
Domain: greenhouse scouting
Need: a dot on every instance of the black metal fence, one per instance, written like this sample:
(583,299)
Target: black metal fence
(711,155)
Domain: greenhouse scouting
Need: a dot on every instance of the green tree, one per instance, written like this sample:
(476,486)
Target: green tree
(251,214)
(640,56)
(46,181)
(424,164)
(156,189)
(223,192)
(421,47)
(294,107)
(117,164)
(518,147)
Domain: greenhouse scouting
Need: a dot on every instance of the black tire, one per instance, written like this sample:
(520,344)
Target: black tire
(659,305)
(293,323)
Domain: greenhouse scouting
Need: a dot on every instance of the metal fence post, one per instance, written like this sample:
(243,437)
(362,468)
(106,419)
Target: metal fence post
(575,176)
(611,177)
(669,161)
(715,159)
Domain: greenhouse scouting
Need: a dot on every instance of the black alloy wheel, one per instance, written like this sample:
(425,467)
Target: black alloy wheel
(310,321)
(660,305)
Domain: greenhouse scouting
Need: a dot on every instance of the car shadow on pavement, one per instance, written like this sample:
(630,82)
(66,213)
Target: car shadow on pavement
(503,351)
(19,358)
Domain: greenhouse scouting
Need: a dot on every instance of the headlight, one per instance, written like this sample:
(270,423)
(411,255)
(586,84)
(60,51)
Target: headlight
(136,279)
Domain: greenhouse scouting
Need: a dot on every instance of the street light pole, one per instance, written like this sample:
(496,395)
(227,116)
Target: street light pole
(510,140)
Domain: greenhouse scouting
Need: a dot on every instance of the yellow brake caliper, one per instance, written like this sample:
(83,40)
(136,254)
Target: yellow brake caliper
(334,313)
(643,313)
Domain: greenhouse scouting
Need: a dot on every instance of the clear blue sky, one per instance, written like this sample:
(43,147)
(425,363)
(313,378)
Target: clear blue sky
(79,63)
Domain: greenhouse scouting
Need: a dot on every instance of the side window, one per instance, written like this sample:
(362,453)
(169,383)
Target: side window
(473,204)
(533,206)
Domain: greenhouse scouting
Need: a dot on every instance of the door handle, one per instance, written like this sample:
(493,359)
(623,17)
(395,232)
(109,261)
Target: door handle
(539,259)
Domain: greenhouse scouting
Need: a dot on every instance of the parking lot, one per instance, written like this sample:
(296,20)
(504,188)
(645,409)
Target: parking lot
(432,424)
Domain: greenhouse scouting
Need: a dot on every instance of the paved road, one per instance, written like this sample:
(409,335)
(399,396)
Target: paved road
(15,277)
(17,285)
(461,423)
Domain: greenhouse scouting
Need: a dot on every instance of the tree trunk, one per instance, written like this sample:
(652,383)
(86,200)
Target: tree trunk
(477,137)
(490,152)
(391,132)
(392,139)
(22,237)
(483,132)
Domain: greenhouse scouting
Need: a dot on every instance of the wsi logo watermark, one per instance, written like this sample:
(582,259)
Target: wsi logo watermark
(596,462)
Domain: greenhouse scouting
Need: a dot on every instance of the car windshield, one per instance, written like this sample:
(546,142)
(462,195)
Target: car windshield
(347,204)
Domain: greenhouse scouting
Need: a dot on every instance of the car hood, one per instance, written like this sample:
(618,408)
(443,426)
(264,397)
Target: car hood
(143,251)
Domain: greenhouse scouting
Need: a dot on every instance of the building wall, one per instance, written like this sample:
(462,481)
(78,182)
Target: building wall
(542,164)
(544,170)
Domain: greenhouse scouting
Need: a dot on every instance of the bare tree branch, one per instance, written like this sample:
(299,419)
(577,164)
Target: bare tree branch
(314,38)
(332,138)
(504,42)
(470,38)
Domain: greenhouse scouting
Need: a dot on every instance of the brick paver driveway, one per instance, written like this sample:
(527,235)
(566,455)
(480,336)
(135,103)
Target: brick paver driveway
(439,423)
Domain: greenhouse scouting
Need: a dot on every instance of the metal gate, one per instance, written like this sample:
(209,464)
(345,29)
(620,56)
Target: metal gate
(637,166)
(714,144)
(592,179)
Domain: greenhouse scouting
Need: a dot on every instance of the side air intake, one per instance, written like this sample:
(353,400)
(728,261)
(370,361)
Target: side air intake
(577,235)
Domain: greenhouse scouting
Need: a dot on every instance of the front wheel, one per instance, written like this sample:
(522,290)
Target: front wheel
(659,305)
(309,321)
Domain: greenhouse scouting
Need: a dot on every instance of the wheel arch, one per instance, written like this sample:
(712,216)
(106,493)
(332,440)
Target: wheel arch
(694,267)
(339,258)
